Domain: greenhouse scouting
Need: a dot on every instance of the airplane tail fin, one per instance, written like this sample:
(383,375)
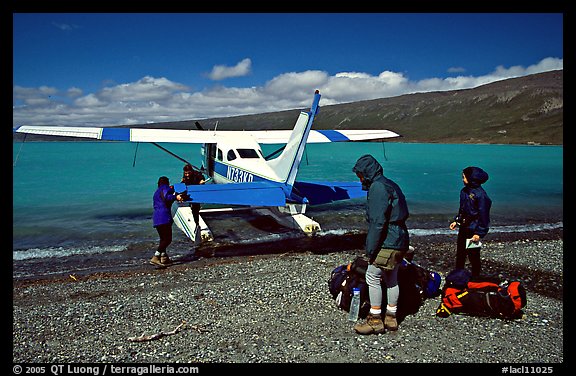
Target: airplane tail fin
(286,164)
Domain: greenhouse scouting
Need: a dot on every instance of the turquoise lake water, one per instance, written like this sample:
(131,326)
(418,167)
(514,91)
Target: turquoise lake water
(71,197)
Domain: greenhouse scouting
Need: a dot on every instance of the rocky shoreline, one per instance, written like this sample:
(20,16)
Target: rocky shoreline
(277,309)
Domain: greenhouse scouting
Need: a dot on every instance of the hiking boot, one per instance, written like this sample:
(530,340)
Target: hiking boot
(155,260)
(373,325)
(164,259)
(390,322)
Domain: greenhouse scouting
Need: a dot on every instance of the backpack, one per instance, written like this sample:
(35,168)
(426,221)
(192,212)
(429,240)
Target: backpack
(415,282)
(343,279)
(416,285)
(481,298)
(458,278)
(426,281)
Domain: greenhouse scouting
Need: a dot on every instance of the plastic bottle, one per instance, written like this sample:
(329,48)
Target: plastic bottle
(354,305)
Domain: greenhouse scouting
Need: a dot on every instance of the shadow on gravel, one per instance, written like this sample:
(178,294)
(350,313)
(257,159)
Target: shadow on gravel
(541,282)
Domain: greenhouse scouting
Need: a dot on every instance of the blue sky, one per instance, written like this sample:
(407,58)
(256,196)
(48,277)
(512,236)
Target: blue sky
(98,69)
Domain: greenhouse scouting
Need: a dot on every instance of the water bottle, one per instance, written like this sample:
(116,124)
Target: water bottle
(354,305)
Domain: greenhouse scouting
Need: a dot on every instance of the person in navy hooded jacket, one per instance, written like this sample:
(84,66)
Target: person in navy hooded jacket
(162,220)
(473,218)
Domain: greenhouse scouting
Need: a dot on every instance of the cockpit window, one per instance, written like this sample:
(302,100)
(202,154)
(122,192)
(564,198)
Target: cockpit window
(231,155)
(247,153)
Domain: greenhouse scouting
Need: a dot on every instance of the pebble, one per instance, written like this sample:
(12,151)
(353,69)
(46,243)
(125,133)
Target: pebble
(277,309)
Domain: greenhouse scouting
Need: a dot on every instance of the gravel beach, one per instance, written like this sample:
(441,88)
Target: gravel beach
(277,309)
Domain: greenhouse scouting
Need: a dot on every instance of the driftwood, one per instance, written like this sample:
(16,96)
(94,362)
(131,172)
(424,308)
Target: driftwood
(152,337)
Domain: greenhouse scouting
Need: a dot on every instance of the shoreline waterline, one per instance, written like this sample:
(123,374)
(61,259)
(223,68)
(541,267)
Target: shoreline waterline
(135,259)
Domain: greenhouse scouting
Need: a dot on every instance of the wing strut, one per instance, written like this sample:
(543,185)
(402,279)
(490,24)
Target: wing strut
(384,151)
(178,157)
(135,152)
(19,150)
(169,152)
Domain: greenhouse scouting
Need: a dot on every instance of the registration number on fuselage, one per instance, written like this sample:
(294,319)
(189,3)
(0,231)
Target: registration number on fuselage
(238,175)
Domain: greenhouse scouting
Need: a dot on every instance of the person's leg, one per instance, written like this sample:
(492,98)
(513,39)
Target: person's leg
(474,257)
(373,280)
(374,323)
(461,251)
(196,213)
(161,245)
(392,292)
(165,232)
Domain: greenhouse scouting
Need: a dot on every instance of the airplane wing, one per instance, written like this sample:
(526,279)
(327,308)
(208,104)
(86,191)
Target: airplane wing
(250,194)
(265,194)
(322,192)
(200,136)
(124,134)
(323,136)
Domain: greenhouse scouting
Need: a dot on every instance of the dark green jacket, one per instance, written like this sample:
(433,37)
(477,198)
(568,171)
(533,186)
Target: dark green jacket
(386,209)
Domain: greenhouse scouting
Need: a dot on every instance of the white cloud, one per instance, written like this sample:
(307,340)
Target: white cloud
(220,72)
(152,99)
(20,92)
(296,86)
(147,88)
(89,100)
(456,70)
(74,92)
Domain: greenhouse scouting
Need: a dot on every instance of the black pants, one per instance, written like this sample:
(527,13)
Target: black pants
(472,254)
(196,213)
(165,233)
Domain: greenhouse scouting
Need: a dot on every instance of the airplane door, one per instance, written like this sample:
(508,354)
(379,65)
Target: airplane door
(209,155)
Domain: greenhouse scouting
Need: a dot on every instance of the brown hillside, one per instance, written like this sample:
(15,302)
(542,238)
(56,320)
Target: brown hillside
(520,110)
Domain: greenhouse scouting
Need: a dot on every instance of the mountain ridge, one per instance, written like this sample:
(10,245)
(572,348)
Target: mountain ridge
(522,110)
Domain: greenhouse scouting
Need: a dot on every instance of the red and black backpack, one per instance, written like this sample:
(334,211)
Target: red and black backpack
(482,298)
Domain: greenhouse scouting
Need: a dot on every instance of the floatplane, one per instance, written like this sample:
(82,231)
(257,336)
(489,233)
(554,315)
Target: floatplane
(238,174)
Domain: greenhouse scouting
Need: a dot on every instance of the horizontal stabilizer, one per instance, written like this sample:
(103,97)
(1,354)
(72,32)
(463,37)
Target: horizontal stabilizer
(83,132)
(320,192)
(250,194)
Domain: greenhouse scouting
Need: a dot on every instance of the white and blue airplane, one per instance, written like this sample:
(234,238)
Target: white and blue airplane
(238,173)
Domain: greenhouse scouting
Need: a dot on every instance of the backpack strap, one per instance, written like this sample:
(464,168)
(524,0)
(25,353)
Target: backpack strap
(443,311)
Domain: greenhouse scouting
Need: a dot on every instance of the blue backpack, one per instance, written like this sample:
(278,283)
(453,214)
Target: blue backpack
(428,282)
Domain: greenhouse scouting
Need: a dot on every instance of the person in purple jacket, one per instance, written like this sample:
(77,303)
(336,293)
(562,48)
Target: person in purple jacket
(162,220)
(473,218)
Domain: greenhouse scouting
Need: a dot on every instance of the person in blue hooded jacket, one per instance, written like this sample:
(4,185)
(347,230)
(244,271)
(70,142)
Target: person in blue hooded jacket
(386,214)
(473,218)
(162,201)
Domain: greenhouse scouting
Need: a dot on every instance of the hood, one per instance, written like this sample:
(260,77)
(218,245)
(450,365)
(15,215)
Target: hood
(369,167)
(475,176)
